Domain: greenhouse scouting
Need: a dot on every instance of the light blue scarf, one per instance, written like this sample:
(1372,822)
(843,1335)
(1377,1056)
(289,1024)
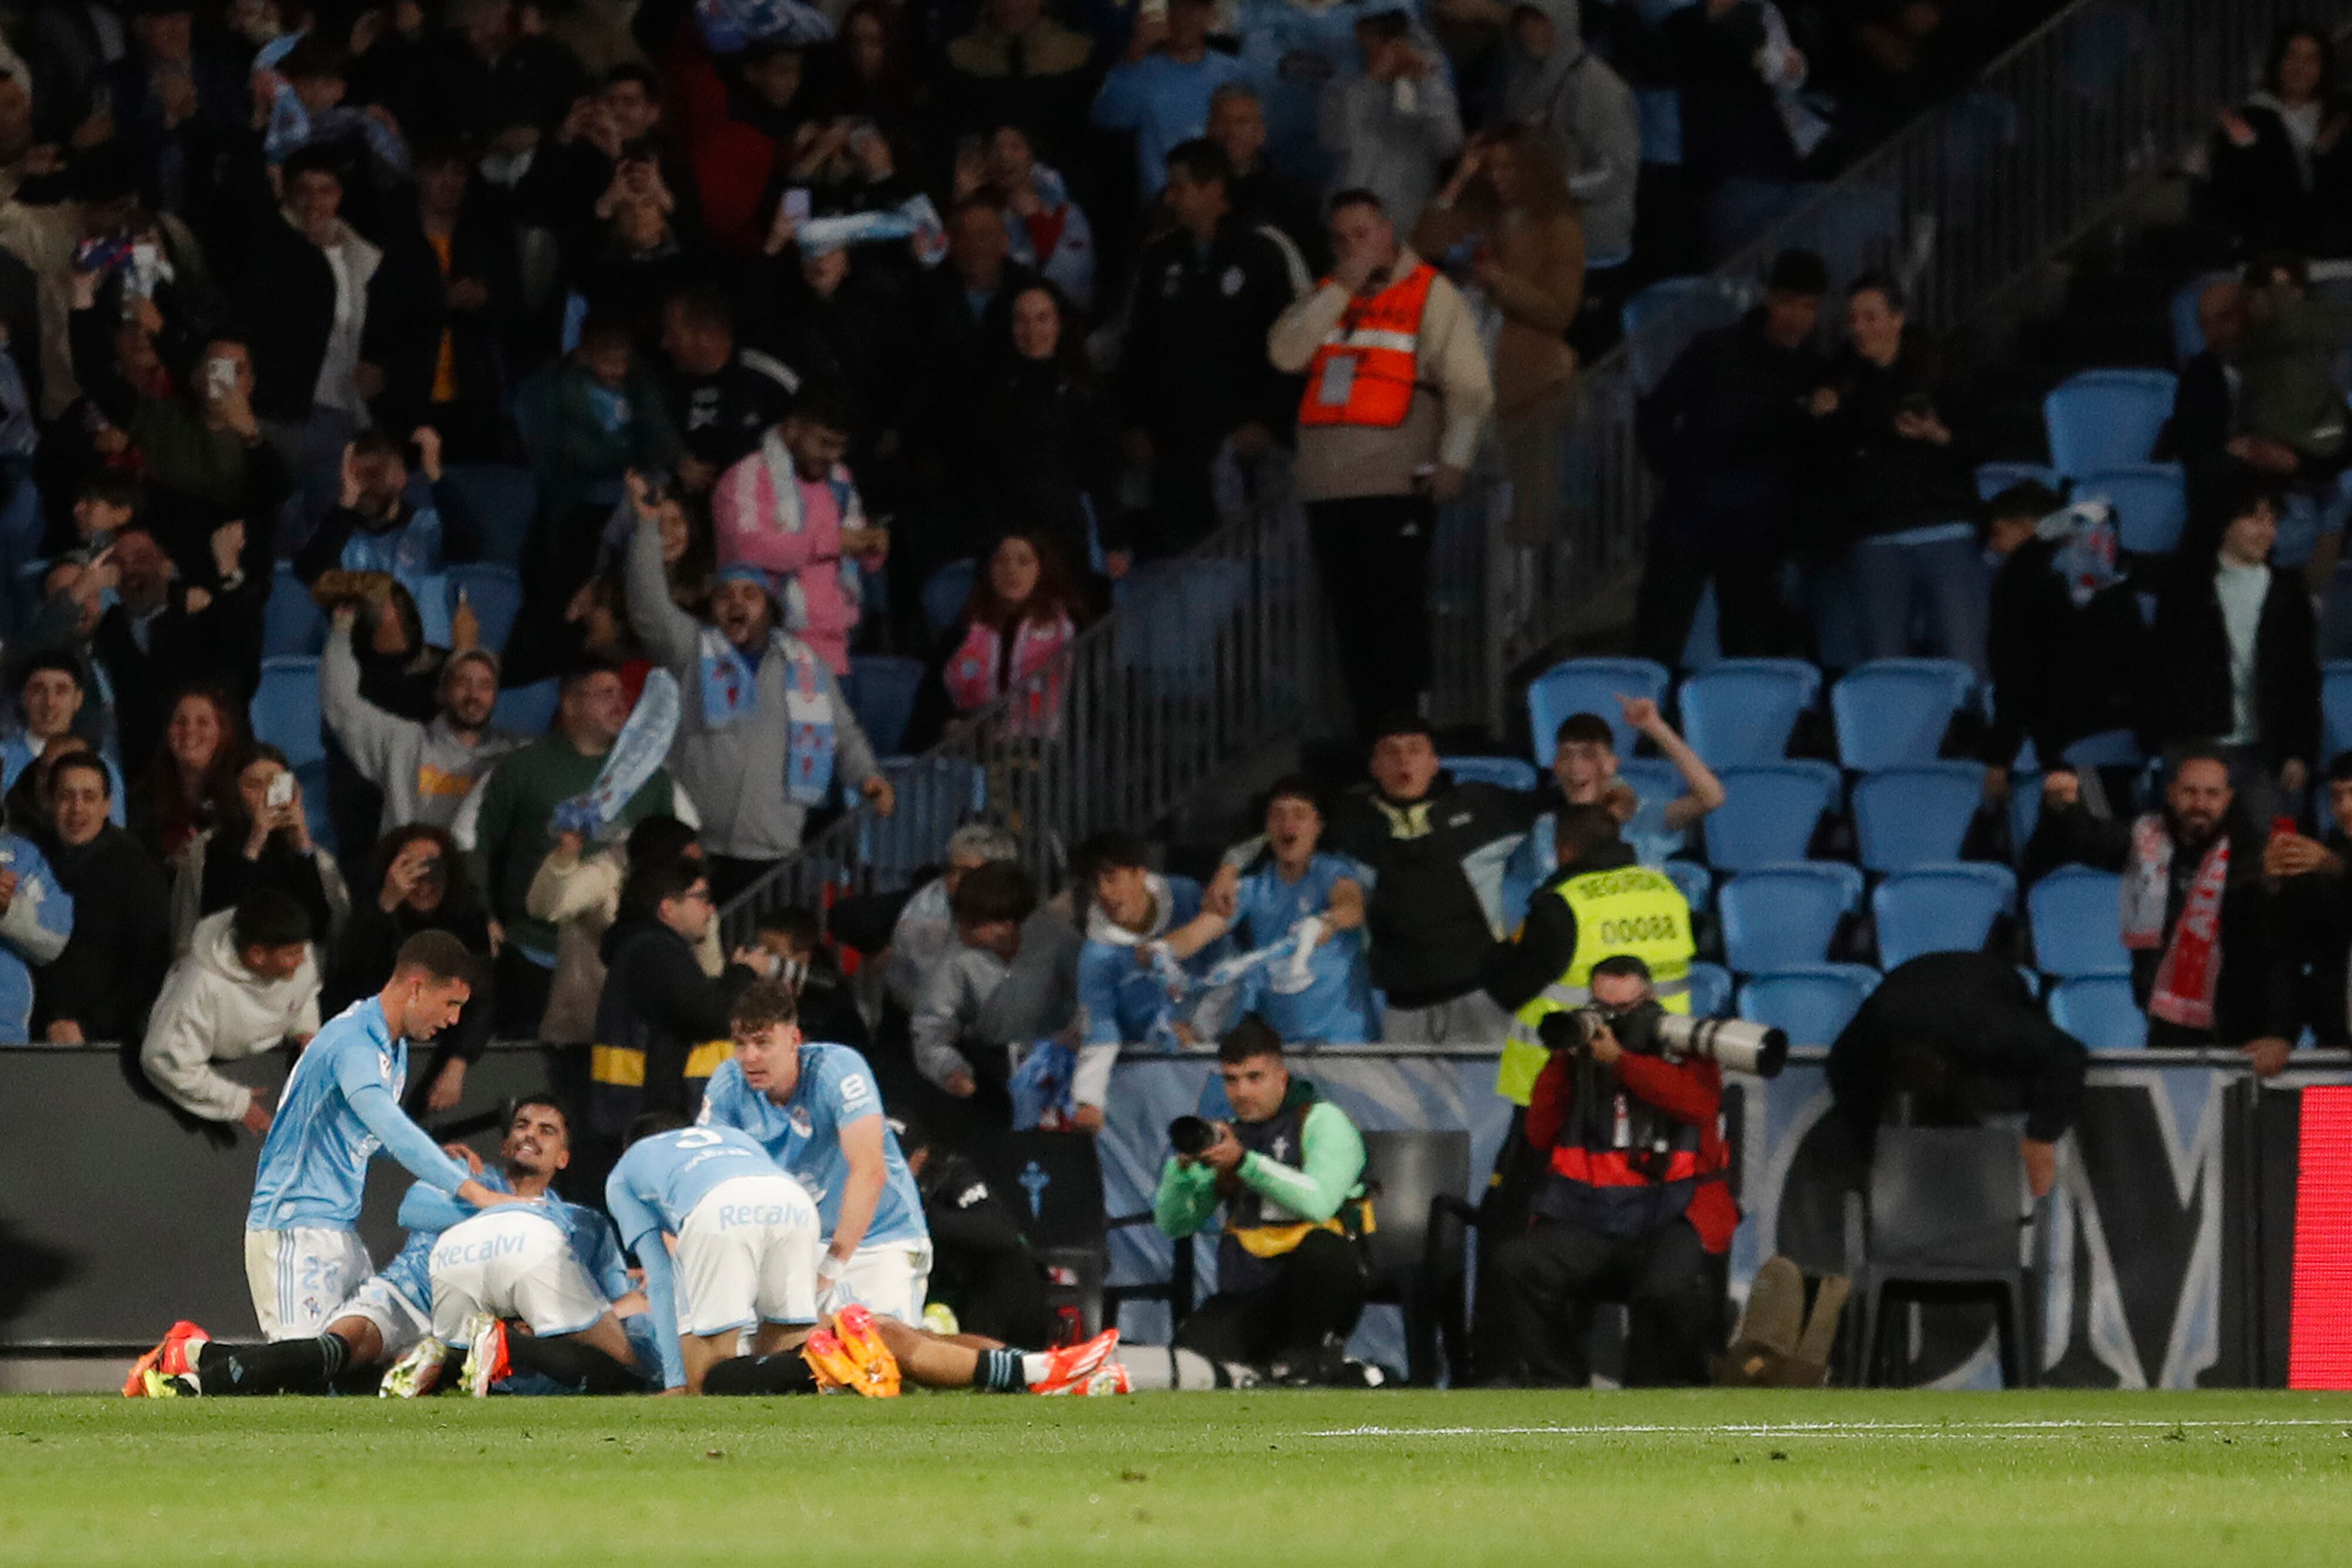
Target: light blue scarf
(730,689)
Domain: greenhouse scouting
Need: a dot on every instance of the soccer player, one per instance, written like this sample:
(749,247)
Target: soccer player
(814,1109)
(746,1250)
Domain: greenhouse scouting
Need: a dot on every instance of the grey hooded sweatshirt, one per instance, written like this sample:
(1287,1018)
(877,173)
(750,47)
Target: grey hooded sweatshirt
(1586,109)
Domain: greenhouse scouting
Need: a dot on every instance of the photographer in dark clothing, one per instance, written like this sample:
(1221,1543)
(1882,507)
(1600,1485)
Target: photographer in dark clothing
(982,1266)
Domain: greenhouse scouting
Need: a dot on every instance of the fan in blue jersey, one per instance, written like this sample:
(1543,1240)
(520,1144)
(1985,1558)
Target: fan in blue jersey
(816,1111)
(729,1247)
(1300,914)
(1131,990)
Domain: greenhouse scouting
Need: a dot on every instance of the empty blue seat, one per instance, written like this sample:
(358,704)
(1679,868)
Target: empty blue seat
(1992,478)
(2105,419)
(285,710)
(504,499)
(2078,923)
(881,690)
(2098,1010)
(1695,883)
(1940,909)
(1589,686)
(944,595)
(1769,813)
(495,592)
(2335,706)
(1905,818)
(1504,772)
(1743,710)
(526,710)
(1891,712)
(1812,1004)
(2151,503)
(1660,321)
(1779,916)
(1710,990)
(291,622)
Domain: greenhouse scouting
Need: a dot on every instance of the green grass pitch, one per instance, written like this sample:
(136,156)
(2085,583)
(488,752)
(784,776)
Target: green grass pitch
(1536,1478)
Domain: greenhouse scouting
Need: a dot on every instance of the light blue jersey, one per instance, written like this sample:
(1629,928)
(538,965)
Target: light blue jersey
(1333,1004)
(34,930)
(425,1213)
(341,1104)
(804,1136)
(662,1178)
(1121,1002)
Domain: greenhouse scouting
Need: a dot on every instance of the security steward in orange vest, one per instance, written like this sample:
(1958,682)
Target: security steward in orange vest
(1397,393)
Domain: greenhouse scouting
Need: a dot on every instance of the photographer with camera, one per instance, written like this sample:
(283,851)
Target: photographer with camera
(1288,1171)
(1633,1200)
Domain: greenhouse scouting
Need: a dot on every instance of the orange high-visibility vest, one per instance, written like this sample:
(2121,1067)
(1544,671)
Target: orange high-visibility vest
(1364,372)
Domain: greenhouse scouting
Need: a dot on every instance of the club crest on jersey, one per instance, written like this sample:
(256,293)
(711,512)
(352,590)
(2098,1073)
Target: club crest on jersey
(799,1117)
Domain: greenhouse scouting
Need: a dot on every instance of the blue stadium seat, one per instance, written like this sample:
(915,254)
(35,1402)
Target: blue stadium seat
(2109,748)
(1589,686)
(291,622)
(1779,916)
(1893,712)
(1813,1003)
(1992,478)
(526,710)
(496,593)
(2151,503)
(504,499)
(1710,990)
(1940,909)
(285,710)
(312,778)
(1504,772)
(2098,1010)
(1695,883)
(2335,706)
(2104,419)
(1743,710)
(881,690)
(2077,917)
(1768,814)
(944,593)
(1905,817)
(1660,321)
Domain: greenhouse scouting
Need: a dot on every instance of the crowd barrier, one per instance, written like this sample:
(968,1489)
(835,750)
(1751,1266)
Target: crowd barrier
(2170,1235)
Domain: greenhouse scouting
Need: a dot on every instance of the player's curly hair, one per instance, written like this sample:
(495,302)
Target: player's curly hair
(764,1004)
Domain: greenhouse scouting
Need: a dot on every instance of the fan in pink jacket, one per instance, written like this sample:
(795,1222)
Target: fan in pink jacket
(791,510)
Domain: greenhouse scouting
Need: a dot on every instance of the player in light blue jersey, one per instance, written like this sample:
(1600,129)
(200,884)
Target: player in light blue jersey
(816,1111)
(745,1261)
(339,1105)
(1303,911)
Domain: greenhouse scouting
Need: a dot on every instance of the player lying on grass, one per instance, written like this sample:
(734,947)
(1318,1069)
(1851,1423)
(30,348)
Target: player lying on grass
(729,1243)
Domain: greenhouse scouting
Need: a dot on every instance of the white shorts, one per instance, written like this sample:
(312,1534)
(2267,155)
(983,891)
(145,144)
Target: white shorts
(396,1318)
(892,1277)
(511,1263)
(300,1277)
(747,1254)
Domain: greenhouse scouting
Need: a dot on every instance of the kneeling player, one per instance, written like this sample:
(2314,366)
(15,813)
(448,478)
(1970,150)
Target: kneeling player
(747,1251)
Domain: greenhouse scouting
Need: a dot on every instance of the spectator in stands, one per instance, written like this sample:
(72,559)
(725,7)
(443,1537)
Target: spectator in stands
(923,935)
(1745,131)
(263,839)
(608,419)
(164,630)
(1046,232)
(248,984)
(192,770)
(415,881)
(2315,915)
(1728,431)
(101,985)
(2234,658)
(1016,624)
(791,512)
(1161,91)
(1017,65)
(425,770)
(2205,399)
(441,308)
(1263,195)
(765,732)
(982,1266)
(1198,390)
(1954,1037)
(1566,94)
(375,528)
(1611,1220)
(512,833)
(806,963)
(2208,966)
(1508,206)
(1902,481)
(1132,989)
(2290,412)
(1043,457)
(1385,436)
(2281,172)
(724,396)
(1392,126)
(1435,849)
(661,1022)
(960,1045)
(579,893)
(1584,763)
(51,690)
(1289,1172)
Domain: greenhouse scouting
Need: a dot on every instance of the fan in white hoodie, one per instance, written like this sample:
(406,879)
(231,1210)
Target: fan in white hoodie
(227,999)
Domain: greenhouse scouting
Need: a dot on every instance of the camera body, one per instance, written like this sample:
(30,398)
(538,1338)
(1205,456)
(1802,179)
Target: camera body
(1648,1029)
(1190,1135)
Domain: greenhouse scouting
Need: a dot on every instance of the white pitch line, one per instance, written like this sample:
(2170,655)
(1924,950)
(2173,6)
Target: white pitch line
(1829,1429)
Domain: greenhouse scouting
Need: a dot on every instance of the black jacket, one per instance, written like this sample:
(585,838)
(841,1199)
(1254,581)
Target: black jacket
(983,1267)
(2204,417)
(1727,430)
(408,310)
(1043,457)
(2270,199)
(1881,482)
(1430,936)
(1195,366)
(114,963)
(1973,1011)
(657,999)
(2188,692)
(2059,673)
(289,312)
(218,645)
(2315,921)
(722,417)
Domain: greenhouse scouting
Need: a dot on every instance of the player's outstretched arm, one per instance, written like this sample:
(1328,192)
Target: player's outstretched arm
(653,1252)
(409,1144)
